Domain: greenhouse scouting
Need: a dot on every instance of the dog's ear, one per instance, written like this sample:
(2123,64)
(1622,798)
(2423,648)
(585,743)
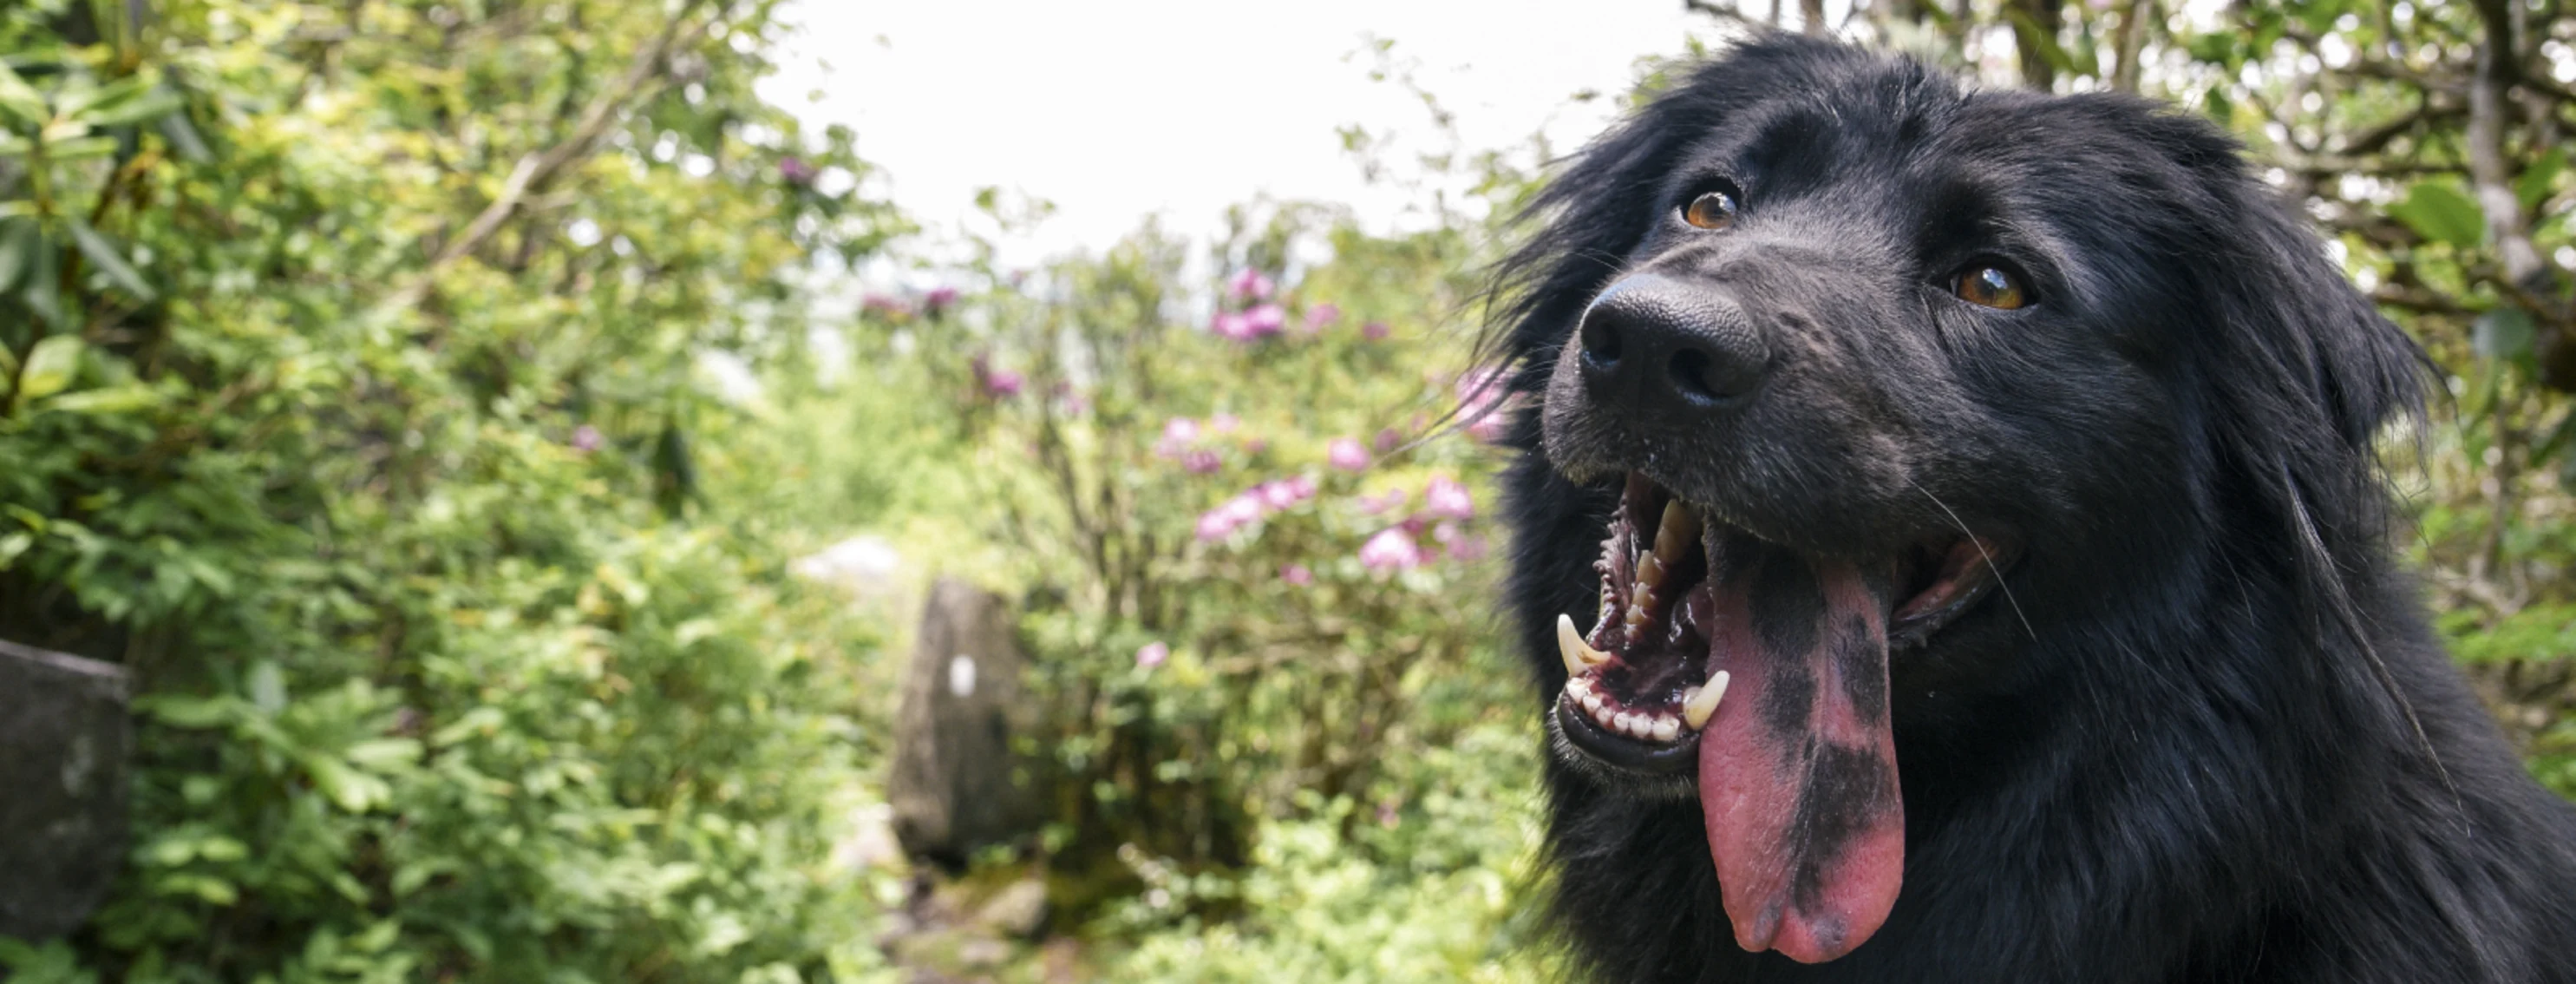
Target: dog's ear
(2313,360)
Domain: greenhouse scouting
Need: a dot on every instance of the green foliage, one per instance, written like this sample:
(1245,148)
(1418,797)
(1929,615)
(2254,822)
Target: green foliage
(348,381)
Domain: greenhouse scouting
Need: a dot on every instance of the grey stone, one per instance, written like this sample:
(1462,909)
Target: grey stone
(1020,909)
(956,786)
(64,743)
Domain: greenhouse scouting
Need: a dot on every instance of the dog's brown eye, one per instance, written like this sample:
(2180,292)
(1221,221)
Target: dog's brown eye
(1712,210)
(1990,287)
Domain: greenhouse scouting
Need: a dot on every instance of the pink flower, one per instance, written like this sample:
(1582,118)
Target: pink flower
(1277,495)
(1321,315)
(1214,525)
(1467,548)
(884,305)
(1445,497)
(586,439)
(939,298)
(1375,331)
(1201,462)
(1250,285)
(1003,383)
(796,171)
(1297,574)
(1180,430)
(1243,509)
(1393,499)
(1390,549)
(1224,423)
(1387,440)
(1303,486)
(1152,654)
(1232,326)
(1484,402)
(1347,455)
(1265,321)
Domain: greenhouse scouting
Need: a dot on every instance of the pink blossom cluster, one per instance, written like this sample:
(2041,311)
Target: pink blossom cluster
(1252,504)
(1447,505)
(1192,443)
(999,384)
(1485,402)
(937,299)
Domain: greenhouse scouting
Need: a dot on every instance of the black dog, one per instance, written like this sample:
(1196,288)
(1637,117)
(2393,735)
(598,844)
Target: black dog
(1997,584)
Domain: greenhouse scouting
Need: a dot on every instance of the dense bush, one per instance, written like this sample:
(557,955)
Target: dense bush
(348,391)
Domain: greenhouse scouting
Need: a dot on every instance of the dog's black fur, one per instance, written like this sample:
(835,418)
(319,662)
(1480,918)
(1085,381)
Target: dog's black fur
(2206,735)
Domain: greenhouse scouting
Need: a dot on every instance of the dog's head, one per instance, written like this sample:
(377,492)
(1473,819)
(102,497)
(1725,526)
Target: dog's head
(1889,379)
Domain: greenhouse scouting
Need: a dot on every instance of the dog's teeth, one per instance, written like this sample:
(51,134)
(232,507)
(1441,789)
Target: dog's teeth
(1579,655)
(1650,572)
(1591,701)
(1700,702)
(1619,722)
(1667,727)
(1679,529)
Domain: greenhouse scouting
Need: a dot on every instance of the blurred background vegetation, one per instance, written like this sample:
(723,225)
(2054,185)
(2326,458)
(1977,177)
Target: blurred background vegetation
(456,417)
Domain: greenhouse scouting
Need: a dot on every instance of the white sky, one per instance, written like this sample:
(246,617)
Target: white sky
(1114,109)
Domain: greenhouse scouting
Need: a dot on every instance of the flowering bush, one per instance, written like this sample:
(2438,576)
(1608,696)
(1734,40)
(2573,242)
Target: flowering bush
(1246,578)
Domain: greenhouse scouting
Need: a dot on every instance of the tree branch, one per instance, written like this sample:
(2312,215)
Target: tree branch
(535,168)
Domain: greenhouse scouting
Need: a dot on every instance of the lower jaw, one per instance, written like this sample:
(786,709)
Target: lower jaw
(1677,759)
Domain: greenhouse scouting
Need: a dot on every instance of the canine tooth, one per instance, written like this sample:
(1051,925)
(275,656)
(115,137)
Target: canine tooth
(1701,702)
(1680,526)
(1650,572)
(1579,655)
(1667,727)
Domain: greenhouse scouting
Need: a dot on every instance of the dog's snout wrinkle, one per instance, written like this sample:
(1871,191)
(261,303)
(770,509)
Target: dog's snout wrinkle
(1670,349)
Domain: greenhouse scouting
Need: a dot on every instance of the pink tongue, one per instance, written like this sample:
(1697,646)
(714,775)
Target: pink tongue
(1797,770)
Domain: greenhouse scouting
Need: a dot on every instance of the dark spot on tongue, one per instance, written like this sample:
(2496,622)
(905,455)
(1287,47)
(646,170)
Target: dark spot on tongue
(1787,603)
(1797,768)
(1861,660)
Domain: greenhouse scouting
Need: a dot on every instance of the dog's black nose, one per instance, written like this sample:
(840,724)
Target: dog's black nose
(1660,344)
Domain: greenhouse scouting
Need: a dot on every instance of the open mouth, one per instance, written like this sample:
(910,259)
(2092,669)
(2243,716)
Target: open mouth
(1764,669)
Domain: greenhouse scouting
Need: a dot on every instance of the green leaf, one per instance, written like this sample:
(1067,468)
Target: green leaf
(2438,210)
(348,788)
(20,100)
(80,148)
(2031,35)
(2503,333)
(110,261)
(51,365)
(190,712)
(184,139)
(381,754)
(19,241)
(267,687)
(2533,187)
(127,101)
(42,291)
(107,401)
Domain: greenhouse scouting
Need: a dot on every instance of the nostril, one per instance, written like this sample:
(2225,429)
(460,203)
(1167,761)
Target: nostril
(1694,377)
(1600,342)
